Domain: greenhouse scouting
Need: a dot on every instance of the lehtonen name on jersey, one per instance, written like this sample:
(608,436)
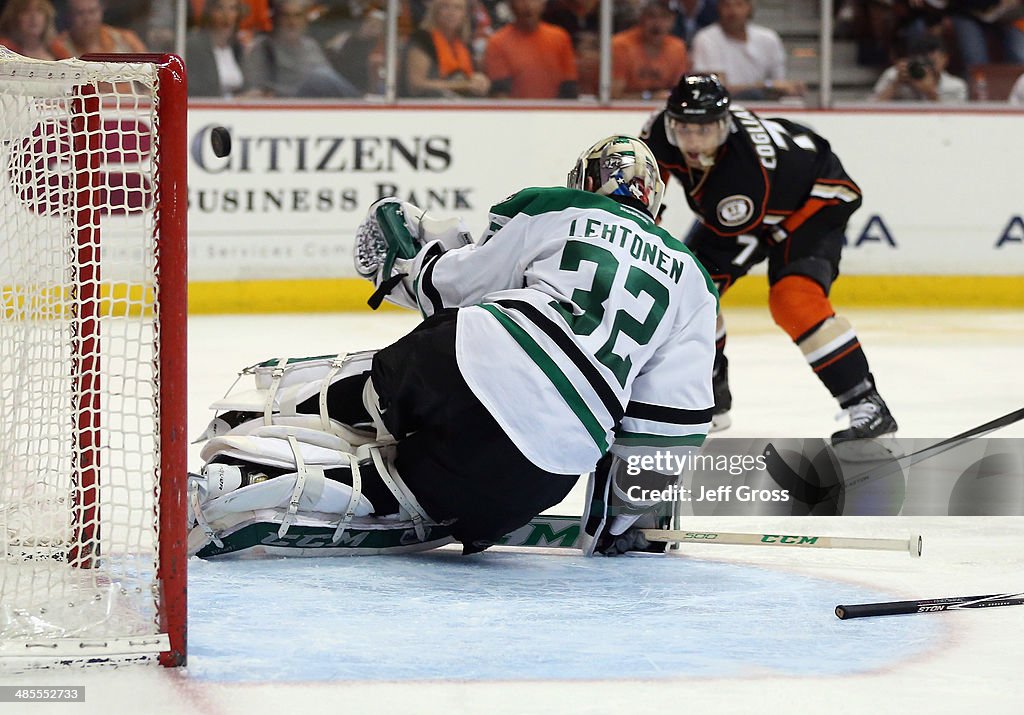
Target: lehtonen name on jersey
(638,247)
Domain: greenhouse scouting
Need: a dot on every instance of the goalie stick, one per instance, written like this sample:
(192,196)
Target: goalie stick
(563,531)
(544,530)
(936,605)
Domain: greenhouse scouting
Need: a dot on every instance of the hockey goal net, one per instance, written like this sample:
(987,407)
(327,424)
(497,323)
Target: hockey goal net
(92,360)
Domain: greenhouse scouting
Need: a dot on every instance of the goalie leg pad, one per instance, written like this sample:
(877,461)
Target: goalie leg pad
(300,392)
(291,487)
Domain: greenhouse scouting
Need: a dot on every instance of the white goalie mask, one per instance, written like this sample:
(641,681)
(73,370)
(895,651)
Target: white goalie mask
(620,166)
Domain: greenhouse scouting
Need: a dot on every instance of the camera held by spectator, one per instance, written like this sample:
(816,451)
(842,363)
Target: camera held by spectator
(920,75)
(919,67)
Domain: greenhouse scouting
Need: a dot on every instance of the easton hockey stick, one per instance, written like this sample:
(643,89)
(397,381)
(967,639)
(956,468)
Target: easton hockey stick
(813,494)
(954,603)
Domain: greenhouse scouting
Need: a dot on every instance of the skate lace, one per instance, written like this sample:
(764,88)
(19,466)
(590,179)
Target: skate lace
(860,413)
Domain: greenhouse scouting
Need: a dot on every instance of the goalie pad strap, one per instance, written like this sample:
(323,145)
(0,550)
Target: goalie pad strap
(302,476)
(350,510)
(268,406)
(325,384)
(195,501)
(393,481)
(371,401)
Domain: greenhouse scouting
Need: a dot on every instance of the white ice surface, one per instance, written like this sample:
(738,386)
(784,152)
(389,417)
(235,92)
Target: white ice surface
(721,629)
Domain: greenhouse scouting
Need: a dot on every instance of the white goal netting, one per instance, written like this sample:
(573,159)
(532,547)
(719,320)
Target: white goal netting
(80,380)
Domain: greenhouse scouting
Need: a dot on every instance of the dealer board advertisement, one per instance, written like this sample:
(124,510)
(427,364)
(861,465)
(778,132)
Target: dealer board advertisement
(942,194)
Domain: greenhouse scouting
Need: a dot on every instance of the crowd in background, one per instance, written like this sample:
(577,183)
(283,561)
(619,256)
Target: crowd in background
(937,50)
(926,50)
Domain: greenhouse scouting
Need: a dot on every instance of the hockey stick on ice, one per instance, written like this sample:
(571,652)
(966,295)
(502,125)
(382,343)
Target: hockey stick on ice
(912,545)
(955,603)
(564,531)
(813,494)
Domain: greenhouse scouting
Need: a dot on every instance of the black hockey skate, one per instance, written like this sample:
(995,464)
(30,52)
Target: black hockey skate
(870,419)
(720,419)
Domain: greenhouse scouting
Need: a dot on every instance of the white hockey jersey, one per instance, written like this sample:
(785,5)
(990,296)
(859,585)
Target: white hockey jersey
(583,328)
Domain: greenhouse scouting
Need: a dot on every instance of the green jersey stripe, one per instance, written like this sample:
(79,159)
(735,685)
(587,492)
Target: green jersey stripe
(659,440)
(548,366)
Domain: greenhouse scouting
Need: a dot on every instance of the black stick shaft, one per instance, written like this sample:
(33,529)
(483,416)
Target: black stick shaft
(920,455)
(935,605)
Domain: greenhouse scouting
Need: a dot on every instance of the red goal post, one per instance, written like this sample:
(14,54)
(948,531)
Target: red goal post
(93,303)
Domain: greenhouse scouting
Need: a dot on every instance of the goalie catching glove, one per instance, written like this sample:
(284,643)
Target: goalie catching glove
(395,242)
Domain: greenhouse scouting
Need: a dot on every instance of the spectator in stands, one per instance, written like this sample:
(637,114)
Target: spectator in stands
(256,15)
(27,27)
(331,18)
(358,52)
(289,63)
(749,58)
(411,14)
(691,16)
(976,22)
(498,12)
(647,61)
(131,15)
(162,21)
(438,61)
(529,58)
(920,75)
(87,32)
(1017,92)
(574,16)
(214,52)
(582,20)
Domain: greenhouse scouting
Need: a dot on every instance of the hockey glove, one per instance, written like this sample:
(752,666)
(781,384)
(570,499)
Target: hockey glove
(395,241)
(612,523)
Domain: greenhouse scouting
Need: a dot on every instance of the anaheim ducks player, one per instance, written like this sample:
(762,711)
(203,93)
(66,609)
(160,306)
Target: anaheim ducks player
(770,189)
(575,334)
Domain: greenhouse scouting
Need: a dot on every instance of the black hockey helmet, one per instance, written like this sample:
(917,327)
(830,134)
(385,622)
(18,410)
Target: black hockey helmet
(698,99)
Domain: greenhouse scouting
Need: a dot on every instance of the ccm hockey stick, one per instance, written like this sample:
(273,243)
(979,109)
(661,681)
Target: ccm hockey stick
(954,603)
(564,531)
(912,545)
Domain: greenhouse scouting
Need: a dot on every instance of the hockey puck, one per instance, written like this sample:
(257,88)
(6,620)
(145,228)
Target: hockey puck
(220,140)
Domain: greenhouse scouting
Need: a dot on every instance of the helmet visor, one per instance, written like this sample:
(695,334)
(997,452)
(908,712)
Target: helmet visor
(698,142)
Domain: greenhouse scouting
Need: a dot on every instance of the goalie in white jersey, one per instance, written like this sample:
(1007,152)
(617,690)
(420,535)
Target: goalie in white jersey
(573,337)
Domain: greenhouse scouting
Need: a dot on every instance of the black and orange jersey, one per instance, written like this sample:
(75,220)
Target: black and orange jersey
(770,174)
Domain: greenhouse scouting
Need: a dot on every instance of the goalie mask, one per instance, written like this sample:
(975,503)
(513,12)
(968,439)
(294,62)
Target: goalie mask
(697,119)
(623,168)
